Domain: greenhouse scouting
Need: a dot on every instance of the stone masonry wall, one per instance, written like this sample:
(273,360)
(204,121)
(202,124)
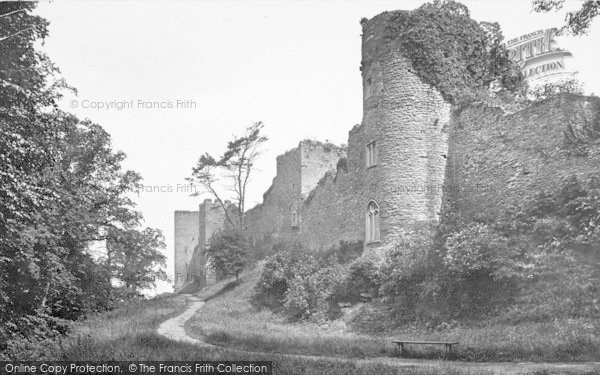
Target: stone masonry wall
(271,220)
(331,212)
(193,230)
(498,161)
(298,173)
(186,239)
(316,159)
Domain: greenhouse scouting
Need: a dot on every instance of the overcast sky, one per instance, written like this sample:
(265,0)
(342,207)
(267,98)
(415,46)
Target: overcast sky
(293,65)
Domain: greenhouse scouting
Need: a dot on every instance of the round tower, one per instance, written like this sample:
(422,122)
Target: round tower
(405,144)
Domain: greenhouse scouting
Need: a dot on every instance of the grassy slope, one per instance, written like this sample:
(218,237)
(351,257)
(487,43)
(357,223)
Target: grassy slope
(230,321)
(129,333)
(561,340)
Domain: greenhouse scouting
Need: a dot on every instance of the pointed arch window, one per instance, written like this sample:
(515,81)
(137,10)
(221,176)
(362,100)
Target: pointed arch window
(372,222)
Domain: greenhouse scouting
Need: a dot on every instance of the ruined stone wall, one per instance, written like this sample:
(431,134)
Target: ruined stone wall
(498,160)
(316,159)
(186,239)
(298,172)
(332,212)
(272,219)
(193,231)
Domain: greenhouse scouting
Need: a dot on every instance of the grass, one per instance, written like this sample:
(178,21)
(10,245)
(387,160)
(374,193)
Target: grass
(129,333)
(230,320)
(560,340)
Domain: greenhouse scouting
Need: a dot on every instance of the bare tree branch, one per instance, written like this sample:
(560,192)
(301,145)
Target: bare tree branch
(238,161)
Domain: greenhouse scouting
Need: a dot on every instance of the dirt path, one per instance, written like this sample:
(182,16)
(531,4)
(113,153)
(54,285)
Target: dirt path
(174,329)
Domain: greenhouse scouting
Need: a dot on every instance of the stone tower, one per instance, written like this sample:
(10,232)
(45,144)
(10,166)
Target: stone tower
(186,240)
(404,118)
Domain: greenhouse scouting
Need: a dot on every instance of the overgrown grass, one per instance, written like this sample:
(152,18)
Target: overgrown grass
(129,333)
(560,340)
(231,321)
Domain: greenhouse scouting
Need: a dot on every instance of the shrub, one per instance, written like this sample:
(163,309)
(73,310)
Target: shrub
(326,286)
(305,285)
(296,299)
(343,253)
(274,280)
(550,89)
(466,271)
(363,277)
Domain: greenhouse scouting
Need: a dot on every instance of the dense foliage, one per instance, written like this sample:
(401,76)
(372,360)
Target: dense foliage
(306,285)
(550,89)
(532,263)
(63,195)
(459,56)
(228,252)
(536,262)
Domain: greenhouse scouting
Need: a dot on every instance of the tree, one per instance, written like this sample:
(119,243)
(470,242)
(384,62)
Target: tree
(237,164)
(135,259)
(228,251)
(63,188)
(577,22)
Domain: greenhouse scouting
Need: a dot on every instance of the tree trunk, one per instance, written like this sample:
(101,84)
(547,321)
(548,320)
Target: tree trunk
(46,291)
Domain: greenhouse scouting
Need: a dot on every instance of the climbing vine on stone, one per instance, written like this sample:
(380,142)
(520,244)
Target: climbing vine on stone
(454,53)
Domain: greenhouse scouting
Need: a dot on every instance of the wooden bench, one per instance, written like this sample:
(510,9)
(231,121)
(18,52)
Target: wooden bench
(447,344)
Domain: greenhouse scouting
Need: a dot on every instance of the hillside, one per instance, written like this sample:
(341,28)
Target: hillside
(231,321)
(240,332)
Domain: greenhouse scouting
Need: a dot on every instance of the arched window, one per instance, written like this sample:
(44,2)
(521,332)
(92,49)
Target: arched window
(372,222)
(295,219)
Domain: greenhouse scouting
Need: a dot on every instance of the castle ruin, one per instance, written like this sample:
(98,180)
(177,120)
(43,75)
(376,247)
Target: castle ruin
(410,157)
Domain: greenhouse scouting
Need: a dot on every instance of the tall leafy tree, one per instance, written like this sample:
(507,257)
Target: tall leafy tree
(63,189)
(135,260)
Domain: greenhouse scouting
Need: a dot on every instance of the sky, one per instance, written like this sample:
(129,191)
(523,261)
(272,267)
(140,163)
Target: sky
(172,80)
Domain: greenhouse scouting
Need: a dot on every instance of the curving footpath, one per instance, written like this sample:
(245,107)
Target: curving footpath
(174,329)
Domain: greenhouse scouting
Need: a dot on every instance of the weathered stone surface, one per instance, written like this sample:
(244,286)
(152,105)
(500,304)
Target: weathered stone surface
(186,239)
(193,230)
(497,161)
